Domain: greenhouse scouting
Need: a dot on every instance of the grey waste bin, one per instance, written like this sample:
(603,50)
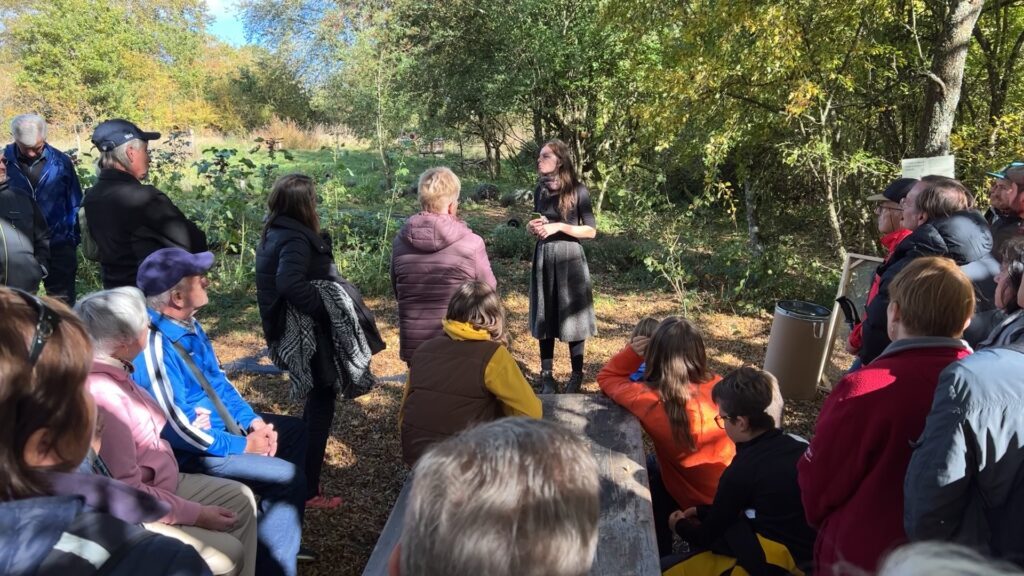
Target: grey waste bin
(796,346)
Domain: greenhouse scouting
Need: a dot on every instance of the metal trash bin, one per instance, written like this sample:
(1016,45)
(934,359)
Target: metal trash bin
(796,347)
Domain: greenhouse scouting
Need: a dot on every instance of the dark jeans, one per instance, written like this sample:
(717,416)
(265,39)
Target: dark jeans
(63,266)
(280,484)
(664,505)
(318,412)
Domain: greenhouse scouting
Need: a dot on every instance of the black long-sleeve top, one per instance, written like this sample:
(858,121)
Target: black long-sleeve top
(760,485)
(582,213)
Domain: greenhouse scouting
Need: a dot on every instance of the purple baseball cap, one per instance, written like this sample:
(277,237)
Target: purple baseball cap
(163,269)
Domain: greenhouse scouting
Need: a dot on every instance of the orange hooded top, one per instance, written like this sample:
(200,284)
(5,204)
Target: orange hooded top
(691,476)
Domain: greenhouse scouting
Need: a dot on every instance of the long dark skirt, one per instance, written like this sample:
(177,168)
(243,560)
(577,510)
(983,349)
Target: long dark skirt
(561,298)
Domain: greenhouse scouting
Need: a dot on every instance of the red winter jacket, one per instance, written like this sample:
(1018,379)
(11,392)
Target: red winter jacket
(431,257)
(851,477)
(889,241)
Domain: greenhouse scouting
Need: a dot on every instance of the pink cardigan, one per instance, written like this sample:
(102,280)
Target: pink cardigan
(132,447)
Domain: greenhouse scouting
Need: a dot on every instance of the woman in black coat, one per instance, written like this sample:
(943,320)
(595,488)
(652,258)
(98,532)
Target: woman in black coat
(292,253)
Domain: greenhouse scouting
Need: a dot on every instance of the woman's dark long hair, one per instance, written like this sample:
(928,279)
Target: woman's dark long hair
(676,361)
(47,396)
(566,177)
(293,195)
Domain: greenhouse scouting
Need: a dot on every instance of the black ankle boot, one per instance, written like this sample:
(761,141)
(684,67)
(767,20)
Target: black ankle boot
(575,381)
(547,383)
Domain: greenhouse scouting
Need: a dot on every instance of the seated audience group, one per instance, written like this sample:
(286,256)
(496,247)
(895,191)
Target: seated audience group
(123,432)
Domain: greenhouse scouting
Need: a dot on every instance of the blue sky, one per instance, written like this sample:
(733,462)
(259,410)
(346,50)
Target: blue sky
(226,26)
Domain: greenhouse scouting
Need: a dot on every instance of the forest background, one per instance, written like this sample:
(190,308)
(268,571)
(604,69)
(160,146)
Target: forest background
(753,129)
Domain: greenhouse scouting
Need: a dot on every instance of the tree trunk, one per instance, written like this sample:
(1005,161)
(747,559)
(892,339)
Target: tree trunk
(538,129)
(753,227)
(833,216)
(942,92)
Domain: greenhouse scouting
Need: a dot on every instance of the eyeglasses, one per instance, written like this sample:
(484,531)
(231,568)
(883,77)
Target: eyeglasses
(47,321)
(721,420)
(880,207)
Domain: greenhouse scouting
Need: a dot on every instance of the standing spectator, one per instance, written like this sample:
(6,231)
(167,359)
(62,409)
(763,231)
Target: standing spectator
(432,255)
(890,226)
(561,297)
(214,515)
(129,220)
(465,377)
(48,419)
(851,476)
(515,497)
(1006,212)
(674,405)
(939,212)
(24,237)
(964,479)
(296,279)
(49,175)
(179,368)
(1010,326)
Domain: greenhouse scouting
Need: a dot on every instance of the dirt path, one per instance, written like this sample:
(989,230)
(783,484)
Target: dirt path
(363,463)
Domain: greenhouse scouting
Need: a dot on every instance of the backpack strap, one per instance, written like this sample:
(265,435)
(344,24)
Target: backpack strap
(92,545)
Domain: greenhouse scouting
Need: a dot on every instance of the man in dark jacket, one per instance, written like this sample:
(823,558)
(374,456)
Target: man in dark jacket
(24,237)
(1006,214)
(127,219)
(965,482)
(49,176)
(940,213)
(432,255)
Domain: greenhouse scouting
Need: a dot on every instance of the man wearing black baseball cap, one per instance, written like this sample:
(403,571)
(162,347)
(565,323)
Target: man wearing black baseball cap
(888,210)
(126,219)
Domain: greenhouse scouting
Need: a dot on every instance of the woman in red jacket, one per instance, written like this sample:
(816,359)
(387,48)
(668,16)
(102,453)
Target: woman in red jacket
(851,477)
(673,403)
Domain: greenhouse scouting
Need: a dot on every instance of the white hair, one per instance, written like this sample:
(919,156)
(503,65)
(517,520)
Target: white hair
(113,317)
(118,157)
(516,496)
(160,301)
(942,559)
(28,129)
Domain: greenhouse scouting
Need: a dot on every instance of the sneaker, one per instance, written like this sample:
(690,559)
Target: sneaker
(547,383)
(321,502)
(575,381)
(305,555)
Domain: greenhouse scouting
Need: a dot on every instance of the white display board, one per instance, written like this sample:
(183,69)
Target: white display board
(937,165)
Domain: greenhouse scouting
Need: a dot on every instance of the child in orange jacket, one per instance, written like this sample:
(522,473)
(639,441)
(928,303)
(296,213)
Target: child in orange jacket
(673,403)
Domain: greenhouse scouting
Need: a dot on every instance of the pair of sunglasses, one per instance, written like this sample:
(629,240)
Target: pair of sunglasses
(47,321)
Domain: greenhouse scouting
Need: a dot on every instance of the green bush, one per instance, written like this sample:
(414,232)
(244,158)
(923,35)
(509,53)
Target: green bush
(367,268)
(511,242)
(615,254)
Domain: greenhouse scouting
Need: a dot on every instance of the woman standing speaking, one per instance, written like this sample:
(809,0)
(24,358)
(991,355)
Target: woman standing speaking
(561,299)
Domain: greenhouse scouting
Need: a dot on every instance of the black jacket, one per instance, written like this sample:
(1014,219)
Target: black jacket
(288,257)
(963,237)
(129,220)
(24,240)
(760,482)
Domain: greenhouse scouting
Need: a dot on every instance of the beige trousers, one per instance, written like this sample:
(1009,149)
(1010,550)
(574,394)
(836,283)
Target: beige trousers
(230,553)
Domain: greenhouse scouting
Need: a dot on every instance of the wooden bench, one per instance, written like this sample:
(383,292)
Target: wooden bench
(626,542)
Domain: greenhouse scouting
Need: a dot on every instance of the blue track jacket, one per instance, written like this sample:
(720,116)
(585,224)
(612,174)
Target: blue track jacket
(163,373)
(59,193)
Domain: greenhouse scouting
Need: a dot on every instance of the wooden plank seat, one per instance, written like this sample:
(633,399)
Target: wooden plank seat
(626,542)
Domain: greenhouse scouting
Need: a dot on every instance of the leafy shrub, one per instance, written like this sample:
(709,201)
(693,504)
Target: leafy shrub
(615,253)
(511,242)
(368,269)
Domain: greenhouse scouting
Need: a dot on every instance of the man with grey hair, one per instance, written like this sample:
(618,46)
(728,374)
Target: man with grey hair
(129,220)
(49,176)
(516,496)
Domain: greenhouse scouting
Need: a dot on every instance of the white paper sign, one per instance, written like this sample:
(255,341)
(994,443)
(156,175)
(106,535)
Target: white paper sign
(937,165)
